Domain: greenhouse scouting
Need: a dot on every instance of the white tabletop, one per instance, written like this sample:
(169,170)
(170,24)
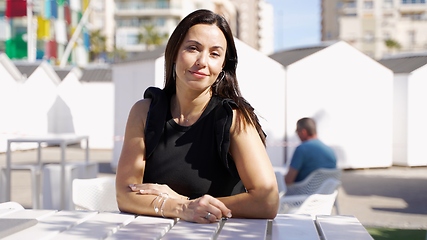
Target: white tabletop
(54,224)
(50,138)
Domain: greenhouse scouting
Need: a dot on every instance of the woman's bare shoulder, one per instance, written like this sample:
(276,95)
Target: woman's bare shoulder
(139,110)
(142,104)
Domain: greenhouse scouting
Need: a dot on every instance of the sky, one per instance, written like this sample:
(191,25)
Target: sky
(296,23)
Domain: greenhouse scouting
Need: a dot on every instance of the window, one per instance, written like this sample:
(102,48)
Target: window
(132,39)
(368,4)
(413,16)
(350,4)
(368,37)
(412,37)
(388,4)
(413,1)
(386,35)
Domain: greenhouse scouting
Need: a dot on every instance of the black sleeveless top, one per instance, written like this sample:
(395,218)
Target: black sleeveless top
(192,160)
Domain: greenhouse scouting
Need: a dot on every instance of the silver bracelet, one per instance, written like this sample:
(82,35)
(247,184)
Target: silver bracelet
(163,204)
(162,197)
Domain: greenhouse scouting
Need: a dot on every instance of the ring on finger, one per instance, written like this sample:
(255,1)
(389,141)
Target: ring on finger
(207,216)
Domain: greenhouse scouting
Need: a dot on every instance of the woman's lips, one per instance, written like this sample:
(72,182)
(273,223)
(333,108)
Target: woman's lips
(199,74)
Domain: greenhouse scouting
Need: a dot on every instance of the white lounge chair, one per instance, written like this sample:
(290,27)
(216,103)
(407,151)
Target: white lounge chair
(319,202)
(95,194)
(313,181)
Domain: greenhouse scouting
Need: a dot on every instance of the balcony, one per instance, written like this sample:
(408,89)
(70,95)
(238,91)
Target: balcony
(348,8)
(147,8)
(412,7)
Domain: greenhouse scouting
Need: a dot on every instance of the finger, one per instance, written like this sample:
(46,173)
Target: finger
(137,187)
(149,192)
(209,217)
(218,208)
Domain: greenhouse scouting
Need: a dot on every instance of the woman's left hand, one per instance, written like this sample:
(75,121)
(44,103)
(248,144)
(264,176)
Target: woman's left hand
(155,189)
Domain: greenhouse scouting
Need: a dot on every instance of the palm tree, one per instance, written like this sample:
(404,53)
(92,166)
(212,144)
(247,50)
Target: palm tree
(151,37)
(97,44)
(117,54)
(392,44)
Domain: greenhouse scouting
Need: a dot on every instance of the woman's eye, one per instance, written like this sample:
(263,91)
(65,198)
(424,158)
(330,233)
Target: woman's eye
(215,54)
(192,48)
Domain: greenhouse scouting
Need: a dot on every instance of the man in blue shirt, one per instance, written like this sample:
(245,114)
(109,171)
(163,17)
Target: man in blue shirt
(310,155)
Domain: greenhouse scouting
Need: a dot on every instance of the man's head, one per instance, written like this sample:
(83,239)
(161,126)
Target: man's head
(306,129)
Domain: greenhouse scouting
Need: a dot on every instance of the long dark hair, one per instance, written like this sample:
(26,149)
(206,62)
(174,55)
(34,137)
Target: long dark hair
(226,85)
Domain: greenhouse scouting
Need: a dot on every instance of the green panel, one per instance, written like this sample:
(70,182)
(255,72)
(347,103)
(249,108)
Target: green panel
(16,48)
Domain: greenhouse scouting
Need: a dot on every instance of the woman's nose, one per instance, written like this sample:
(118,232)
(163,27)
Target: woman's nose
(201,60)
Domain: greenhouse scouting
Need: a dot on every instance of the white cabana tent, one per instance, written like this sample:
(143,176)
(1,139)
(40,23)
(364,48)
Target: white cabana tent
(131,78)
(409,114)
(38,95)
(96,117)
(69,101)
(260,79)
(10,81)
(350,97)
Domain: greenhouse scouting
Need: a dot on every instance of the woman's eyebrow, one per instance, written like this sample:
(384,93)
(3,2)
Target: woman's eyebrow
(198,43)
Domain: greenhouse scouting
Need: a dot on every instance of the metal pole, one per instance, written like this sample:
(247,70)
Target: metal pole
(30,33)
(76,34)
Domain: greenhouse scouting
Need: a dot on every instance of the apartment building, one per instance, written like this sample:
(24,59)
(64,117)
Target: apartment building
(379,28)
(250,20)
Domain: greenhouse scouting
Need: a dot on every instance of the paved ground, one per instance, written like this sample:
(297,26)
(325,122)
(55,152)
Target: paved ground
(394,197)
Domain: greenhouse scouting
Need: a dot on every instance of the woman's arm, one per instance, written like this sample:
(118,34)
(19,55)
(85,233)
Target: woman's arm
(256,172)
(130,169)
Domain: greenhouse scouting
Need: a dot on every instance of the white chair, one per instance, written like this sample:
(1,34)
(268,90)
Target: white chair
(95,194)
(312,183)
(280,183)
(319,202)
(11,205)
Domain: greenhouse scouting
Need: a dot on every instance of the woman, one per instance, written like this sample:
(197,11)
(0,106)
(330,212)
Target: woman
(195,150)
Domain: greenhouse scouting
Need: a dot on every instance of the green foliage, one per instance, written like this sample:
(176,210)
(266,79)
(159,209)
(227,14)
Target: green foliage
(397,234)
(117,54)
(392,44)
(151,37)
(98,47)
(98,44)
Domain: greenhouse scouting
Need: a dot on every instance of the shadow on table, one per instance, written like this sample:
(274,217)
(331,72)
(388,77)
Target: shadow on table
(411,190)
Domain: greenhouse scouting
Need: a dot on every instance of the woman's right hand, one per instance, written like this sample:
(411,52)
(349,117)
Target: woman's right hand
(205,209)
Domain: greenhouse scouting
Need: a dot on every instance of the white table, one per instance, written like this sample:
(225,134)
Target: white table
(51,224)
(63,140)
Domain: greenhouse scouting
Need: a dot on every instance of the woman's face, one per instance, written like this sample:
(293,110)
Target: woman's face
(200,57)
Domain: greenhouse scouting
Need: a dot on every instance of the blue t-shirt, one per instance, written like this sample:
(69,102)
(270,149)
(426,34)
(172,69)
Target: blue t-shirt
(311,155)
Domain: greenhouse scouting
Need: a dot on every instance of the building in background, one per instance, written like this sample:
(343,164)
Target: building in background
(251,20)
(378,28)
(255,25)
(133,18)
